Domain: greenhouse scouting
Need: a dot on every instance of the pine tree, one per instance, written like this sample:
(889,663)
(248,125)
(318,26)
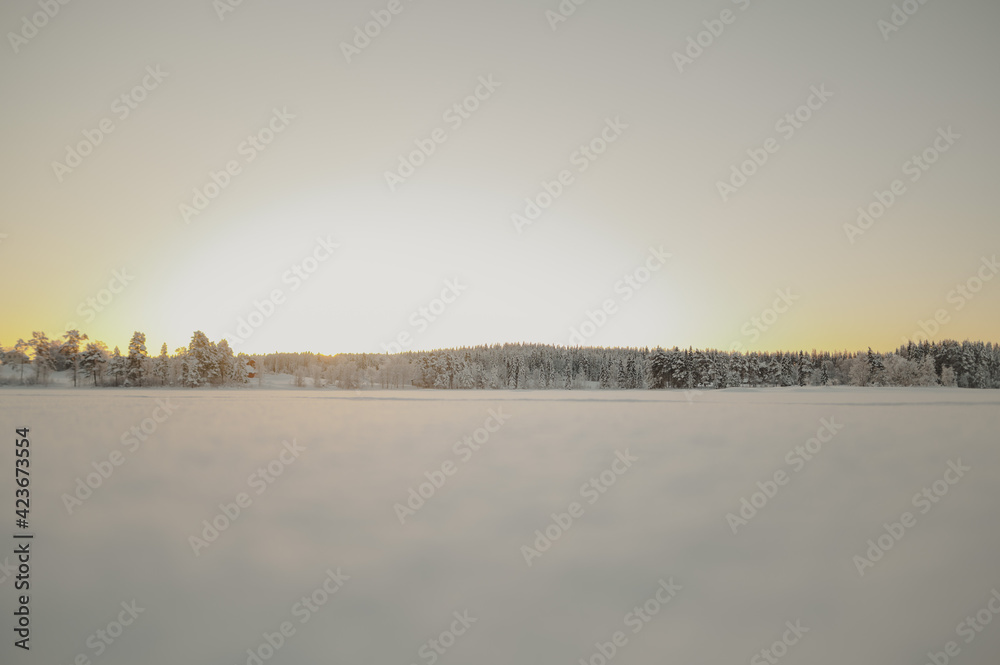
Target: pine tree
(71,348)
(659,369)
(200,362)
(94,360)
(549,372)
(21,349)
(134,370)
(225,362)
(876,369)
(764,371)
(116,366)
(191,372)
(465,378)
(605,375)
(568,372)
(162,367)
(42,348)
(786,371)
(241,369)
(721,370)
(679,365)
(804,369)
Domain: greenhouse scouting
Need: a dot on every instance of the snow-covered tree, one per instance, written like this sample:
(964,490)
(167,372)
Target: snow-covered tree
(116,366)
(605,375)
(134,365)
(20,353)
(876,369)
(42,348)
(824,372)
(161,370)
(239,373)
(859,371)
(94,360)
(621,375)
(659,369)
(225,361)
(804,369)
(466,380)
(191,371)
(71,349)
(200,363)
(568,372)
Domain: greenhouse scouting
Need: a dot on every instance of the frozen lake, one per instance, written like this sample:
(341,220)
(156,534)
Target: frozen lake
(552,527)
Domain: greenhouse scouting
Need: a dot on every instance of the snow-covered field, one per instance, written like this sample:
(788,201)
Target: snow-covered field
(641,565)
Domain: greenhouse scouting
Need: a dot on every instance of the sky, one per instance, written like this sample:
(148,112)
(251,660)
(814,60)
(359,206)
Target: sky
(627,173)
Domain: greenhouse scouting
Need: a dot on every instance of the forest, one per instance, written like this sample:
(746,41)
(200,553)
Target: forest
(496,367)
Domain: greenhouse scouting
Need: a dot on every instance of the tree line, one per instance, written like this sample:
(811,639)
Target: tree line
(503,366)
(202,362)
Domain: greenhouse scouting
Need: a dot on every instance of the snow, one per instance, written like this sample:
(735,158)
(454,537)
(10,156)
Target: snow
(697,453)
